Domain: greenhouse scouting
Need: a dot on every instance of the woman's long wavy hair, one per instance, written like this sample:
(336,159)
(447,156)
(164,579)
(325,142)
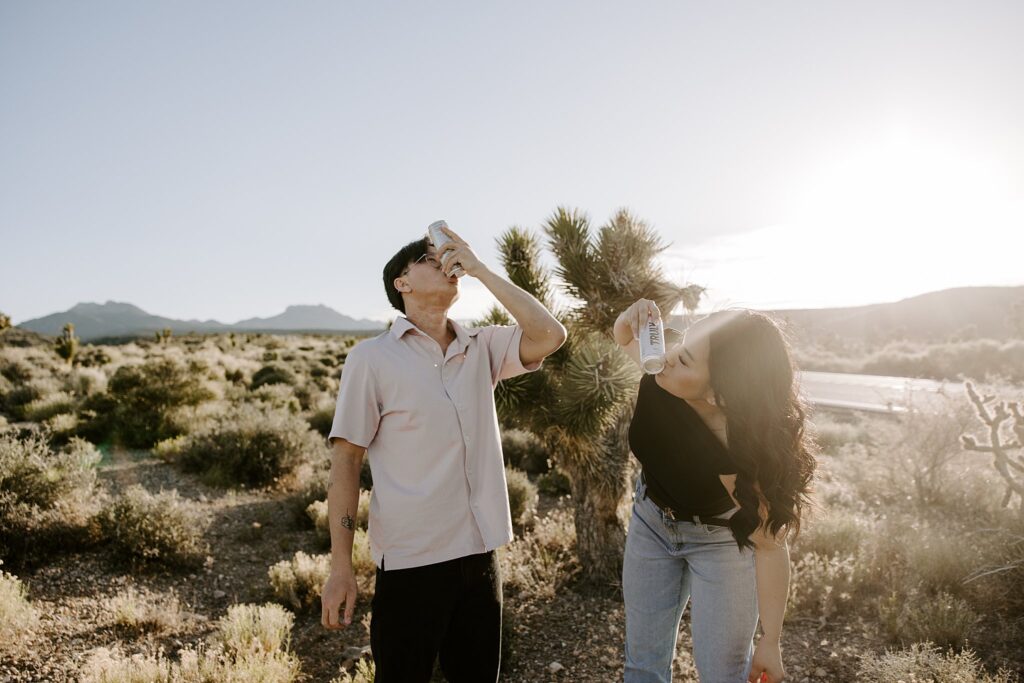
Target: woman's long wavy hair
(753,380)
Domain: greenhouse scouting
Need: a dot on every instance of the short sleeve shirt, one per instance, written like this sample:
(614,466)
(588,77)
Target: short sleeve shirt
(430,429)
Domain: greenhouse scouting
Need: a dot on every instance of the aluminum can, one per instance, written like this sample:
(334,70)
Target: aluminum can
(439,239)
(652,346)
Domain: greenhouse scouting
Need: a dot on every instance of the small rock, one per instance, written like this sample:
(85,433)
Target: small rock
(219,594)
(555,667)
(819,672)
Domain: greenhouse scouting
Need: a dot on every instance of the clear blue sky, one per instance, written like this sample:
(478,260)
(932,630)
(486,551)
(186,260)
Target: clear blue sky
(224,160)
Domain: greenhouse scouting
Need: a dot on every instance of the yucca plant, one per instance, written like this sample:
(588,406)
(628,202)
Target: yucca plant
(580,402)
(66,345)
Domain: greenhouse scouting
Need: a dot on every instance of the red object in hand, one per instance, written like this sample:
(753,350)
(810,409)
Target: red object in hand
(764,677)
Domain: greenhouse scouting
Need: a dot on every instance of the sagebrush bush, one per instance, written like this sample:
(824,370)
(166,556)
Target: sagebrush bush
(146,400)
(525,451)
(833,533)
(250,445)
(46,495)
(915,617)
(254,628)
(925,662)
(298,582)
(16,613)
(144,613)
(538,564)
(47,406)
(522,496)
(146,528)
(364,672)
(822,585)
(250,644)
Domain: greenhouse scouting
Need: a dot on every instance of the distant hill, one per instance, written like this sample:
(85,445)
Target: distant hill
(936,316)
(115,319)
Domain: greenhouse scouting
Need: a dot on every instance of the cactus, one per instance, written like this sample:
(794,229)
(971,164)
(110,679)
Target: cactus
(66,345)
(1008,464)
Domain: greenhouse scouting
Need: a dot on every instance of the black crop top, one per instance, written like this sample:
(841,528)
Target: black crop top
(681,456)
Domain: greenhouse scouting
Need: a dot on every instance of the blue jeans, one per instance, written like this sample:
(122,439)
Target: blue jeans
(669,562)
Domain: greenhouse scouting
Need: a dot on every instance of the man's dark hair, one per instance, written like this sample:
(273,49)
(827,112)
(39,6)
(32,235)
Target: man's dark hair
(397,264)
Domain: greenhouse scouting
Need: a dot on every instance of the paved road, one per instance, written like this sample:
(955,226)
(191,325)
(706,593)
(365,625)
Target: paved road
(876,393)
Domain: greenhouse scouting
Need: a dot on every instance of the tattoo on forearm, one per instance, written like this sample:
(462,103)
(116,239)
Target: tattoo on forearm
(348,522)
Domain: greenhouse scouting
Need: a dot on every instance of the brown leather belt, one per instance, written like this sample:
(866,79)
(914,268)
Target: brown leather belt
(676,516)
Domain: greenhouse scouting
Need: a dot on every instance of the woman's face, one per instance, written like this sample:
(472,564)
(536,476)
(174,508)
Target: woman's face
(687,373)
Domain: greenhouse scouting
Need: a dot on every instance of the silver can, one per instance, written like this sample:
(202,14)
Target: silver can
(439,239)
(652,346)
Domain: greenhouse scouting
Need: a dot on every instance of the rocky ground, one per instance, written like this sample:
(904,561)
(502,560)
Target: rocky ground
(575,636)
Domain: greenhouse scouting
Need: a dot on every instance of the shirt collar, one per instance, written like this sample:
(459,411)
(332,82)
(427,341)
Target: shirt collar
(401,325)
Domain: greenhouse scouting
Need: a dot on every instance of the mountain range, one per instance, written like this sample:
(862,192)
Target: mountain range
(115,319)
(936,316)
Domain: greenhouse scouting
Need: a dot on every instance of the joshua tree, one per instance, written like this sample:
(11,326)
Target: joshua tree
(5,321)
(1009,465)
(580,402)
(66,345)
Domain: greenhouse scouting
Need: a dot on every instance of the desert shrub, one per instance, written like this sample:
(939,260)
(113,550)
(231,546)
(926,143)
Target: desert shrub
(364,672)
(138,613)
(145,528)
(830,433)
(925,662)
(322,419)
(281,396)
(298,582)
(250,445)
(317,512)
(254,628)
(522,496)
(822,585)
(16,613)
(542,561)
(272,374)
(146,399)
(834,533)
(524,450)
(46,495)
(943,619)
(82,382)
(554,483)
(250,644)
(47,406)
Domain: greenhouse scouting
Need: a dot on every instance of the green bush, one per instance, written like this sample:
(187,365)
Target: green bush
(522,496)
(146,400)
(272,374)
(525,451)
(46,495)
(144,528)
(554,483)
(250,445)
(48,406)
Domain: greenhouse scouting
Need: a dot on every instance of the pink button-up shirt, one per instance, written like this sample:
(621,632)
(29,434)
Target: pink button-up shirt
(430,430)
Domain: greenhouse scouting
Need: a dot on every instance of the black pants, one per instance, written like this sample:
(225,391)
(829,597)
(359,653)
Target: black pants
(450,610)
